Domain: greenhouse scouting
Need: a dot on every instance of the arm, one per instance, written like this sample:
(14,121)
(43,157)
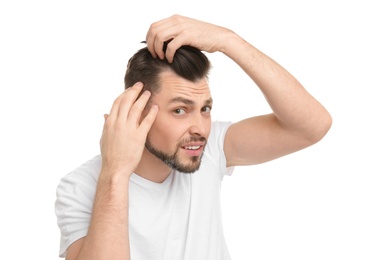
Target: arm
(122,143)
(298,120)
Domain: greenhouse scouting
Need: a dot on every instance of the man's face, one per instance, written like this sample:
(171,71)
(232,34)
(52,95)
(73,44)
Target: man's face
(182,126)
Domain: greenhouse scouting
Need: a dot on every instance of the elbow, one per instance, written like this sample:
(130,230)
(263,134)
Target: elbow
(321,127)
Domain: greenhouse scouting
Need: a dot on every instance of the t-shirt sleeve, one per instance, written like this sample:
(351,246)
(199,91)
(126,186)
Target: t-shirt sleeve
(74,202)
(216,139)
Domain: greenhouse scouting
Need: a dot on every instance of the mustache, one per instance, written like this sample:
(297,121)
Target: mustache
(193,139)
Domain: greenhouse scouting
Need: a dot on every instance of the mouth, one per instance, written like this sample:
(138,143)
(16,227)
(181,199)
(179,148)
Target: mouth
(195,149)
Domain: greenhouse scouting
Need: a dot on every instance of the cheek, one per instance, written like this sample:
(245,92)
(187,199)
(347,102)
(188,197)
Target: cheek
(166,132)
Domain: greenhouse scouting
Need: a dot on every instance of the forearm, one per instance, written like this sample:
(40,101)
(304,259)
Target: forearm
(107,237)
(294,108)
(122,144)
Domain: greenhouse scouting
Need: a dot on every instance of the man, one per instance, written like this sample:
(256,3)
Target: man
(153,193)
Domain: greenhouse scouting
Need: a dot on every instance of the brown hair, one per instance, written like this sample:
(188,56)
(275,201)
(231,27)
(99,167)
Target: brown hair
(189,63)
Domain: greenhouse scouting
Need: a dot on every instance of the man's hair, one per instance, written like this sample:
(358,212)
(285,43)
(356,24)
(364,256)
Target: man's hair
(189,63)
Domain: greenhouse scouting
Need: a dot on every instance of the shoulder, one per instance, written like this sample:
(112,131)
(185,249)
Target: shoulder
(74,200)
(214,158)
(218,130)
(86,175)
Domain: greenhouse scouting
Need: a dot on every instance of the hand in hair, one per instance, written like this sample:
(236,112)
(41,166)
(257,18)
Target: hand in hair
(179,31)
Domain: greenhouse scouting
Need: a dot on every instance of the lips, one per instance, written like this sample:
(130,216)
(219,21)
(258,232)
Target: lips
(193,145)
(193,149)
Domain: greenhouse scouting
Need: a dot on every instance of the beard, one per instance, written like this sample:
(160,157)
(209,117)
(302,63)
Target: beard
(173,161)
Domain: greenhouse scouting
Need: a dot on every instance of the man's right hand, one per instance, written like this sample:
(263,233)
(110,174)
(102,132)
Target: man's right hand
(125,130)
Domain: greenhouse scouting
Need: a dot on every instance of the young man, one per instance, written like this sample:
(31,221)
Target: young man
(153,193)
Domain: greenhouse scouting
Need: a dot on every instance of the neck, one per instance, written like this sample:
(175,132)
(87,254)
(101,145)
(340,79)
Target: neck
(152,168)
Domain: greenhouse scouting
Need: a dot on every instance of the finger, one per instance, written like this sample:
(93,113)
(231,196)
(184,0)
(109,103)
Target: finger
(149,119)
(105,120)
(113,113)
(154,30)
(175,36)
(161,32)
(155,44)
(104,128)
(172,47)
(150,39)
(128,100)
(158,47)
(138,107)
(124,101)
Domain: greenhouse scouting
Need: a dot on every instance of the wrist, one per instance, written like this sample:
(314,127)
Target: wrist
(115,173)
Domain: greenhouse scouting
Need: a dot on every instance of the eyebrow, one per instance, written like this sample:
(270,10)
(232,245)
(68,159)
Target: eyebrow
(188,101)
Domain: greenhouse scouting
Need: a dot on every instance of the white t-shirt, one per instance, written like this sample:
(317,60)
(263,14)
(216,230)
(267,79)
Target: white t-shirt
(179,219)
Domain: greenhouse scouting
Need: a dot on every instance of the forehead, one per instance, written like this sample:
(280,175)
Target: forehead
(173,86)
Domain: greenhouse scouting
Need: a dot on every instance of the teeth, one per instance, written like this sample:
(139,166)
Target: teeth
(192,147)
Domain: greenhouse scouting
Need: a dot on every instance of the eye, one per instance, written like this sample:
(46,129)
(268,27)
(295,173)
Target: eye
(206,109)
(179,111)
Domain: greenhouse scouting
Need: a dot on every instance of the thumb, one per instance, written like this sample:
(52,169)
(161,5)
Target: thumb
(105,117)
(149,119)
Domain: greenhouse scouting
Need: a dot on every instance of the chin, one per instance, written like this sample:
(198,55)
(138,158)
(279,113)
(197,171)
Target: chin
(175,160)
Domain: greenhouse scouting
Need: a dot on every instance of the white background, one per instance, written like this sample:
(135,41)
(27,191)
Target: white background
(62,64)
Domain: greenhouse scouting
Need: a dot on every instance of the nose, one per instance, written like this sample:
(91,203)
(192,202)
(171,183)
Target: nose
(200,125)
